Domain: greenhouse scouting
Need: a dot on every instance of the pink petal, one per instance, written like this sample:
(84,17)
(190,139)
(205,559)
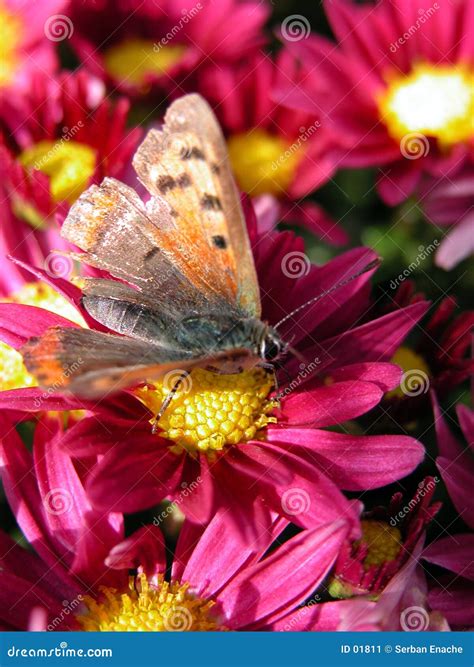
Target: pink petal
(455,553)
(329,405)
(354,462)
(458,478)
(145,548)
(19,322)
(263,592)
(384,375)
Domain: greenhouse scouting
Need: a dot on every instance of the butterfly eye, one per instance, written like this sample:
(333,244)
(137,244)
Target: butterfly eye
(271,349)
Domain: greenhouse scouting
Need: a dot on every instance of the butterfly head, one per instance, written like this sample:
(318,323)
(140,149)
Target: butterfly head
(272,347)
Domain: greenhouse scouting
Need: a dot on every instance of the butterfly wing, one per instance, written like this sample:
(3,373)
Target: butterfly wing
(186,164)
(92,364)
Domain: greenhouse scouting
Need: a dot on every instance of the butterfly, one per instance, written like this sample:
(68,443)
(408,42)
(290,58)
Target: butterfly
(183,291)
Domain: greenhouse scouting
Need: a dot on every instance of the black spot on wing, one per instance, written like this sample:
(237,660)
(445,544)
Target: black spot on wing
(211,203)
(165,183)
(215,168)
(151,254)
(183,181)
(219,241)
(193,153)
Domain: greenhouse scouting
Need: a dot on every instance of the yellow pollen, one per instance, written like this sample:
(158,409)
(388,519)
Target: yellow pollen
(10,31)
(263,162)
(13,373)
(436,101)
(135,59)
(415,377)
(210,411)
(69,165)
(382,540)
(166,607)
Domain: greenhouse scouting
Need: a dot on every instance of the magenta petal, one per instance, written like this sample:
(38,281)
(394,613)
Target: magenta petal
(384,375)
(18,597)
(21,489)
(125,483)
(455,603)
(458,478)
(196,497)
(448,446)
(333,404)
(291,485)
(223,550)
(354,462)
(19,322)
(455,553)
(265,591)
(144,548)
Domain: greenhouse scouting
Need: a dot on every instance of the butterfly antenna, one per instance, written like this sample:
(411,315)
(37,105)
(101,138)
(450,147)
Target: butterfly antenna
(368,267)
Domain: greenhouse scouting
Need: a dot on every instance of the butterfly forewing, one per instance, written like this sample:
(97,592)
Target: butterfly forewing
(186,163)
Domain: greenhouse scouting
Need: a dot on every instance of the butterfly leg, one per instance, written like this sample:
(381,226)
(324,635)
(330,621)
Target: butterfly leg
(168,400)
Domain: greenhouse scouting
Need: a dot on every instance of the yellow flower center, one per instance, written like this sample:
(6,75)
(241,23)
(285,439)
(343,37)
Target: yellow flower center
(13,373)
(210,411)
(382,540)
(69,165)
(436,101)
(166,607)
(415,379)
(135,59)
(10,31)
(263,162)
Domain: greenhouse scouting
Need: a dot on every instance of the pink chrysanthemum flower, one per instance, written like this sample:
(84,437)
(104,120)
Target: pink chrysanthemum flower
(78,579)
(389,537)
(140,47)
(59,137)
(26,49)
(241,439)
(397,88)
(271,150)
